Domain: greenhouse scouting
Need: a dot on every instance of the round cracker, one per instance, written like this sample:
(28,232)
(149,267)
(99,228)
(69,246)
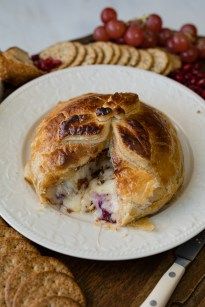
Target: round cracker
(8,232)
(3,223)
(146,60)
(168,70)
(42,285)
(99,53)
(90,57)
(134,57)
(56,301)
(116,55)
(7,262)
(81,53)
(10,245)
(125,55)
(64,51)
(169,67)
(107,50)
(20,273)
(176,62)
(161,60)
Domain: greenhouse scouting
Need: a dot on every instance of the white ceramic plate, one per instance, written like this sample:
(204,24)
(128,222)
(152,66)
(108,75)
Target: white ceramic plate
(75,234)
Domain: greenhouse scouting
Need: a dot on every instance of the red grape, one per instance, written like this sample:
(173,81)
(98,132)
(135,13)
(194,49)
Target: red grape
(187,67)
(120,40)
(137,22)
(100,34)
(170,45)
(201,83)
(192,76)
(150,39)
(134,36)
(115,28)
(180,42)
(108,14)
(190,55)
(201,47)
(164,35)
(190,31)
(154,23)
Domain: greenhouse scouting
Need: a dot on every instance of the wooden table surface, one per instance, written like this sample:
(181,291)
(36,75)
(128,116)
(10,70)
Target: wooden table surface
(127,283)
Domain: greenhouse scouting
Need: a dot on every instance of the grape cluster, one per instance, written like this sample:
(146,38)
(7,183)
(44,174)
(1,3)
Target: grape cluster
(149,32)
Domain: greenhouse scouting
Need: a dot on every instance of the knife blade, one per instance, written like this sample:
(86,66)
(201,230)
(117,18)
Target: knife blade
(185,253)
(190,249)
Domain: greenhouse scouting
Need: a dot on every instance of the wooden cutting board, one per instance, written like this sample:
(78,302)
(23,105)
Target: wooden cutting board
(127,283)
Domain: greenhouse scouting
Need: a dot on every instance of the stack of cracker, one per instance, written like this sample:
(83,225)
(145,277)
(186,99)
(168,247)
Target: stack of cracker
(17,68)
(74,54)
(29,279)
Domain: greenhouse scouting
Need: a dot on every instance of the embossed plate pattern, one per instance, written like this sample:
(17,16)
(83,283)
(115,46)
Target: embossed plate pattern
(76,235)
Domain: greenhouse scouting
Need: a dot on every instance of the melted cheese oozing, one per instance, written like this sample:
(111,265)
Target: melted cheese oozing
(98,193)
(101,193)
(66,193)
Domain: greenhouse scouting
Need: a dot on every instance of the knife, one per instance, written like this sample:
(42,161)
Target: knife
(185,253)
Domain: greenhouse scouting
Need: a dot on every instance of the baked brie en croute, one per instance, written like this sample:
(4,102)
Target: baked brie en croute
(108,153)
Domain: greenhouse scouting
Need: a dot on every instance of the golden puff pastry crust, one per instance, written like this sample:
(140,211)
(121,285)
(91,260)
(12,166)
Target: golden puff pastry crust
(144,149)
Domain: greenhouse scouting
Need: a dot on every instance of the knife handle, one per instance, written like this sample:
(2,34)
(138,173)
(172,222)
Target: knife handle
(163,290)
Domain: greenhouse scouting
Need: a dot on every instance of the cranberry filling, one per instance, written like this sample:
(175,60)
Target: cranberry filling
(106,216)
(45,64)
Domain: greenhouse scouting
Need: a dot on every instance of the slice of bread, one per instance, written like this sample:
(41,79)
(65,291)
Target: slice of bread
(16,67)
